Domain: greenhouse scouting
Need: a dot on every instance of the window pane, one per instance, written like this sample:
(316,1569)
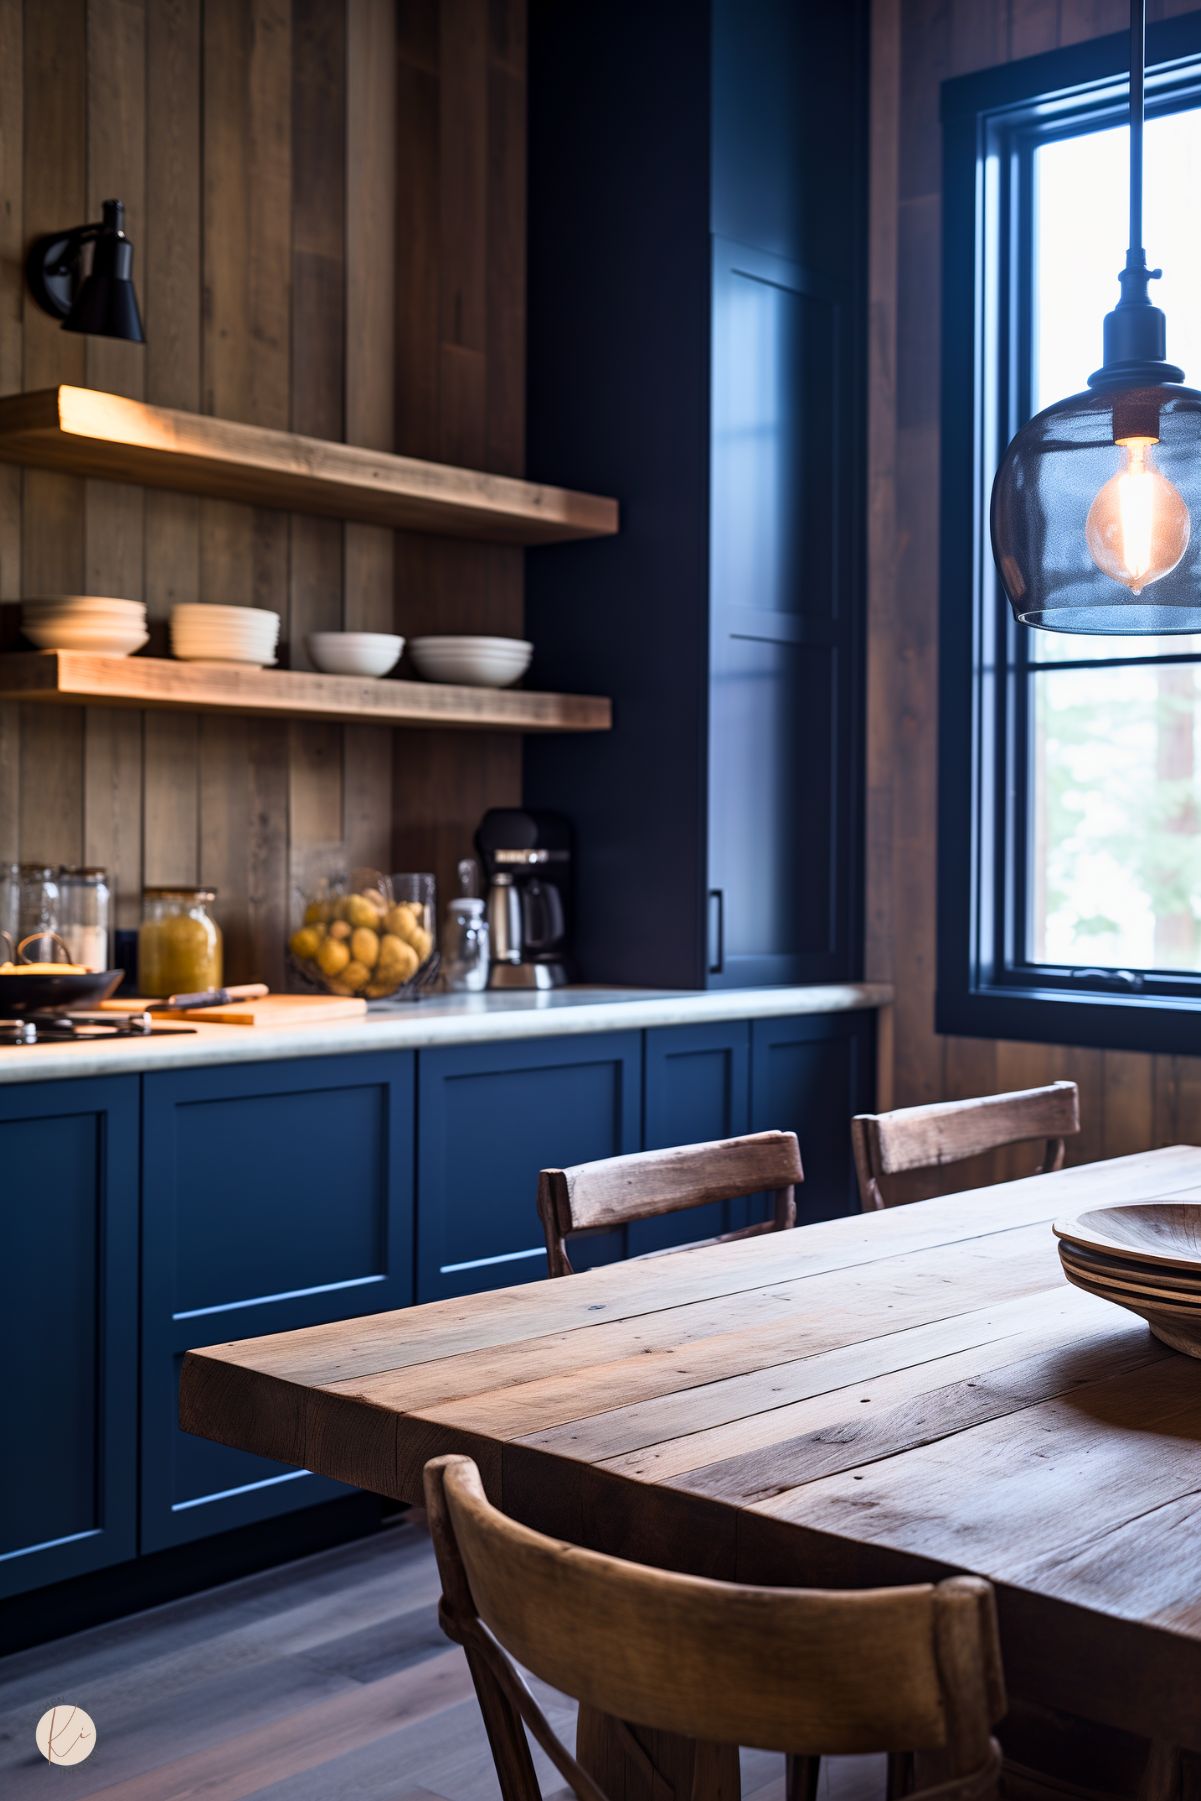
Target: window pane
(1080,245)
(1080,186)
(1078,647)
(1116,817)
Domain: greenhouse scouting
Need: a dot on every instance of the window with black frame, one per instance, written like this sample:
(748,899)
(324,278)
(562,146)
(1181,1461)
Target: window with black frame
(1070,837)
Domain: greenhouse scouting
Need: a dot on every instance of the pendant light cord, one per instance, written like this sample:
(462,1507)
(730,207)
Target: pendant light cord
(1138,58)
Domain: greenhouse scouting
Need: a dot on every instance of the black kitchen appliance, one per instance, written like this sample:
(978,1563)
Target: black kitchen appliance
(527,859)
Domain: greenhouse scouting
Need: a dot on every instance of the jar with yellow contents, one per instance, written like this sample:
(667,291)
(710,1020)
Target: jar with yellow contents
(179,942)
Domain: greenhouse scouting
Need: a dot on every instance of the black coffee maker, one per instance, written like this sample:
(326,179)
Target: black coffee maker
(527,861)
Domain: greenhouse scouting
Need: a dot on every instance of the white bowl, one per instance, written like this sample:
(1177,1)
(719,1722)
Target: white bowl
(77,604)
(218,647)
(101,640)
(188,611)
(227,658)
(355,653)
(237,634)
(62,609)
(471,661)
(241,634)
(473,641)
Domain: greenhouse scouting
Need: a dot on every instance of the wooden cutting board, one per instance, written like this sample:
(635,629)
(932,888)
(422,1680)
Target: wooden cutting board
(271,1010)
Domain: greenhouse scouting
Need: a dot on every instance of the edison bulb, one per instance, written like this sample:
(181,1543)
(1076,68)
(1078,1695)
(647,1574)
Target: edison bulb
(1137,528)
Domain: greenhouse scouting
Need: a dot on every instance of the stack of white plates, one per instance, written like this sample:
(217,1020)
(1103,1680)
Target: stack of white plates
(90,622)
(202,633)
(476,662)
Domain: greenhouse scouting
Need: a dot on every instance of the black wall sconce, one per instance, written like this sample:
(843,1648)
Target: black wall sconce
(103,302)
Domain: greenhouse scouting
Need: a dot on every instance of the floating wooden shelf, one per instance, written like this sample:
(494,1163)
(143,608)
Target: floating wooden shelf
(83,431)
(76,678)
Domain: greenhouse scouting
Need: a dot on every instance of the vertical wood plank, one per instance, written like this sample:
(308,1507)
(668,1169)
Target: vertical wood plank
(171,293)
(318,399)
(114,511)
(12,306)
(55,193)
(377,177)
(461,289)
(243,552)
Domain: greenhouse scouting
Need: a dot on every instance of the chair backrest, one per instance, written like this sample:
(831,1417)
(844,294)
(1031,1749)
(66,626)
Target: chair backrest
(887,1144)
(646,1184)
(804,1671)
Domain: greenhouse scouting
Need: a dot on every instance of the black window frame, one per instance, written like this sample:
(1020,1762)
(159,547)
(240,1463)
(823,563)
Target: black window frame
(992,124)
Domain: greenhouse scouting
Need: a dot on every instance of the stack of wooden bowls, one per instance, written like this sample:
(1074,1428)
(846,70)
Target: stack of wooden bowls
(1146,1258)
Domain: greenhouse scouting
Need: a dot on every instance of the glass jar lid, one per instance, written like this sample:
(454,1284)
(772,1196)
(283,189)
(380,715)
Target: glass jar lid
(191,894)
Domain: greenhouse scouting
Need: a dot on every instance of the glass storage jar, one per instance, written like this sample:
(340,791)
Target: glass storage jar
(179,942)
(86,909)
(10,908)
(38,914)
(465,953)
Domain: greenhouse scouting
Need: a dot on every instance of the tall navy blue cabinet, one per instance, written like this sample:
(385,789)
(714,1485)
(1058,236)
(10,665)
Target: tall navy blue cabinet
(69,1314)
(696,347)
(275,1195)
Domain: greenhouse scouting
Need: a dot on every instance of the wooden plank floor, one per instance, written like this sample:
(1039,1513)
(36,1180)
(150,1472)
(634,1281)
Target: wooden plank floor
(324,1680)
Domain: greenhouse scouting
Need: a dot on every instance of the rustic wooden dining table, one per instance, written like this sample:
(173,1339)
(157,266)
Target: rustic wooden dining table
(876,1399)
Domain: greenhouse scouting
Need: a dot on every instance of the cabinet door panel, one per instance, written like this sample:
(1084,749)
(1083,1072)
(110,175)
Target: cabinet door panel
(808,1076)
(695,1088)
(68,1299)
(782,765)
(490,1117)
(277,1195)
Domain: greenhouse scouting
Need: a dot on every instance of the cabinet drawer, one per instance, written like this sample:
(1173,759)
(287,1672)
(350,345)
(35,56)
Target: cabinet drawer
(276,1195)
(490,1117)
(68,1300)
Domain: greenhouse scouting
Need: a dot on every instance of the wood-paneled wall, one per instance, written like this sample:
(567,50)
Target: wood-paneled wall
(327,204)
(1128,1101)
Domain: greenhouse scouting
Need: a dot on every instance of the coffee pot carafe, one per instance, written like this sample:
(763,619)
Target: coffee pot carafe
(527,859)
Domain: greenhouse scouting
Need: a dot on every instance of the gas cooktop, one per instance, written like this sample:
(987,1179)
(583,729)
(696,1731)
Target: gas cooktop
(78,1028)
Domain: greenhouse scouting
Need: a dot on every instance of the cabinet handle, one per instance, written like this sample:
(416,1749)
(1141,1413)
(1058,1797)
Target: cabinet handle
(717,931)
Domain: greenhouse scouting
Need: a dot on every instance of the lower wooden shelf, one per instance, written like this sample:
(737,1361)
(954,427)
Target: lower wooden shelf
(75,678)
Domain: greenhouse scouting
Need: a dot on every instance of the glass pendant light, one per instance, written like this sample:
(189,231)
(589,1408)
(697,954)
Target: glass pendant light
(1096,507)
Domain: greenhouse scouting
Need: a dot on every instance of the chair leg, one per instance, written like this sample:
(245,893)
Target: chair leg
(800,1778)
(900,1775)
(1170,1775)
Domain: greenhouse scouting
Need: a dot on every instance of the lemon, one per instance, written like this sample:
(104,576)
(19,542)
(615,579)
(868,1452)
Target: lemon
(333,956)
(364,946)
(305,943)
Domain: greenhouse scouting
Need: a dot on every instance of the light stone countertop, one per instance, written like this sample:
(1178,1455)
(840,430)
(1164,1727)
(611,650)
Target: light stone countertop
(442,1019)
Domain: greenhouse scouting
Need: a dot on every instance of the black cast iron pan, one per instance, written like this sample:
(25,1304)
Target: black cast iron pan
(53,993)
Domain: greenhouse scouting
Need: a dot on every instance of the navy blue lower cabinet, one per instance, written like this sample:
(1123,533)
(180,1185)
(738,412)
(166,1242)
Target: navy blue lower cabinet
(490,1117)
(68,1317)
(808,1076)
(275,1195)
(696,1086)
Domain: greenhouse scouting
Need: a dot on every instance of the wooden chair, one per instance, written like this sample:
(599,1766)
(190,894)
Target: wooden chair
(648,1184)
(807,1672)
(887,1144)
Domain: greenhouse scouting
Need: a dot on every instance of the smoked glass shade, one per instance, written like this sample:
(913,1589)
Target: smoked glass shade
(1096,513)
